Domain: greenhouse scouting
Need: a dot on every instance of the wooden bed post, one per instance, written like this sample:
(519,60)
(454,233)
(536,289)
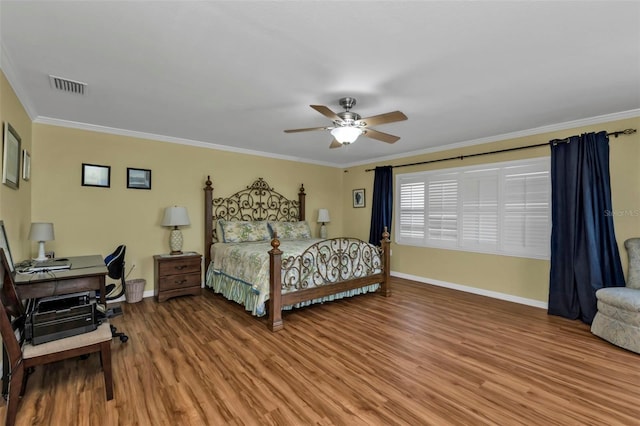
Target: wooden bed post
(275,286)
(385,286)
(208,221)
(301,199)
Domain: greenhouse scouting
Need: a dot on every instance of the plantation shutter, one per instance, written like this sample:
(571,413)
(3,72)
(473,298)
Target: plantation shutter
(412,210)
(480,208)
(442,216)
(526,210)
(502,208)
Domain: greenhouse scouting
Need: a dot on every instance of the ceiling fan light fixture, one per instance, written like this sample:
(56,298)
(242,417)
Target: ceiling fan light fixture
(347,126)
(346,134)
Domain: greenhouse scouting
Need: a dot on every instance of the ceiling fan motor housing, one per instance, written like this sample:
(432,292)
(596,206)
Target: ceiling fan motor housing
(347,103)
(348,118)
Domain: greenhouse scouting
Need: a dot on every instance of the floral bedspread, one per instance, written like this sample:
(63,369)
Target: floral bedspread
(248,262)
(240,271)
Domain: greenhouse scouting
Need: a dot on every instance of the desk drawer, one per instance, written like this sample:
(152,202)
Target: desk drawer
(55,286)
(179,281)
(179,266)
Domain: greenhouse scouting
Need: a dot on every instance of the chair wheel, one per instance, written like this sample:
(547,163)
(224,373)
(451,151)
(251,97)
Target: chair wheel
(124,339)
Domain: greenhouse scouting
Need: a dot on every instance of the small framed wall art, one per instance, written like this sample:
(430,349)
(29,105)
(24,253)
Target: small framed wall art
(358,198)
(96,175)
(138,178)
(26,165)
(11,157)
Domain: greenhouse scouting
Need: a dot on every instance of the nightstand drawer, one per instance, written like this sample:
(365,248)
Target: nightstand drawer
(179,266)
(179,281)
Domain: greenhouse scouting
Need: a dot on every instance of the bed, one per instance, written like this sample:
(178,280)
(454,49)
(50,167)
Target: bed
(260,254)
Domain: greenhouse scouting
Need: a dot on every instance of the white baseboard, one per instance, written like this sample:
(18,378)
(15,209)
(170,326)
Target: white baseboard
(474,290)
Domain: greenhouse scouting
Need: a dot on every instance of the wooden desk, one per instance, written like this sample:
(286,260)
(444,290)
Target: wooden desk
(86,273)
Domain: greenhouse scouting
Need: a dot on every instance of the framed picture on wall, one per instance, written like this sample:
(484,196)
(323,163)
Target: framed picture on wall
(138,178)
(96,175)
(358,198)
(26,165)
(11,157)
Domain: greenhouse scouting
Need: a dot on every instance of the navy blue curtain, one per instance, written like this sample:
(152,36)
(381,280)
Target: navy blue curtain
(382,205)
(584,252)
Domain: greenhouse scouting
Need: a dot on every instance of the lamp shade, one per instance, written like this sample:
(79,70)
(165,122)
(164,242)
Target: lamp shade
(41,231)
(323,216)
(346,134)
(175,216)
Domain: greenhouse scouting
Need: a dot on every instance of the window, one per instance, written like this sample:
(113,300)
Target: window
(501,208)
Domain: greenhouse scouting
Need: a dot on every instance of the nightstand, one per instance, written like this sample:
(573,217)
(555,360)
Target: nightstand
(177,275)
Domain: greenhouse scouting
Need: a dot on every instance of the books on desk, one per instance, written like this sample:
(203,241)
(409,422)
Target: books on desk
(48,265)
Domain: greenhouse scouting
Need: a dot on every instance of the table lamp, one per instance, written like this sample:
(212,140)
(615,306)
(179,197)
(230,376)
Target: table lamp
(41,232)
(323,217)
(175,216)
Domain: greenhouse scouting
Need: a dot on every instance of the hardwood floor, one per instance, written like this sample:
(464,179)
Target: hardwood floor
(424,356)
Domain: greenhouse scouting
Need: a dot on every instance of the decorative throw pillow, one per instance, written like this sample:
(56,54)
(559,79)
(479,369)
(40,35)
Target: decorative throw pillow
(291,230)
(241,231)
(219,233)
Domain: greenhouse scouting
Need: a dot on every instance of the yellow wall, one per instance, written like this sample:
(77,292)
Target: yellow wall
(90,220)
(15,205)
(520,277)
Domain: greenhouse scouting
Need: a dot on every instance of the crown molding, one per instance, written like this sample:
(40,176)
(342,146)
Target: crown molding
(171,139)
(505,136)
(9,71)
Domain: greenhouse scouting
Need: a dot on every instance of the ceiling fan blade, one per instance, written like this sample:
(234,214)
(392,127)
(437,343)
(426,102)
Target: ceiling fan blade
(389,117)
(308,129)
(335,144)
(384,137)
(326,112)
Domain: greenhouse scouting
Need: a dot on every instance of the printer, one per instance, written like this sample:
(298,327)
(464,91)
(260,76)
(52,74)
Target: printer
(57,317)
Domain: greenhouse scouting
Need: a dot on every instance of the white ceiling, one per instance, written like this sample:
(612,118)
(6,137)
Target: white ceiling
(237,73)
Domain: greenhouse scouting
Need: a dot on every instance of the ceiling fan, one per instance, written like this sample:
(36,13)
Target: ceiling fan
(348,126)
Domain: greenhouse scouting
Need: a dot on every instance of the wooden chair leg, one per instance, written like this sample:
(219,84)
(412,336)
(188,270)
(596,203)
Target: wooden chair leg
(105,359)
(27,373)
(5,373)
(15,387)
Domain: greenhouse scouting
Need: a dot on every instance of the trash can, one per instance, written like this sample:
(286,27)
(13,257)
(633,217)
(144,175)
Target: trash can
(134,290)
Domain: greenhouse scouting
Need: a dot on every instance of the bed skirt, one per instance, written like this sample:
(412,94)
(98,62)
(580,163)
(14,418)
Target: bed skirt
(243,293)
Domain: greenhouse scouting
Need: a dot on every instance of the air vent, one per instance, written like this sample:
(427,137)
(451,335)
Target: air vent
(67,85)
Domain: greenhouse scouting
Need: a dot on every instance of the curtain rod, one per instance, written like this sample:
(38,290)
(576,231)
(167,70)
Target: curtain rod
(462,157)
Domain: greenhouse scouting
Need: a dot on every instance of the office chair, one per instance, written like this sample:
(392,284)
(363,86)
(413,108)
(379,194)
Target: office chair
(115,270)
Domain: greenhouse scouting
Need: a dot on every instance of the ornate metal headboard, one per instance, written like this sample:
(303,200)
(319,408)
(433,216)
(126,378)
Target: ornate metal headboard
(258,201)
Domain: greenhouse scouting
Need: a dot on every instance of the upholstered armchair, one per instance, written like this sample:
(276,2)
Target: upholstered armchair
(618,317)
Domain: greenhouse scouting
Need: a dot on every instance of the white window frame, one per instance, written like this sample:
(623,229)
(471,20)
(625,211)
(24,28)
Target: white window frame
(498,208)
